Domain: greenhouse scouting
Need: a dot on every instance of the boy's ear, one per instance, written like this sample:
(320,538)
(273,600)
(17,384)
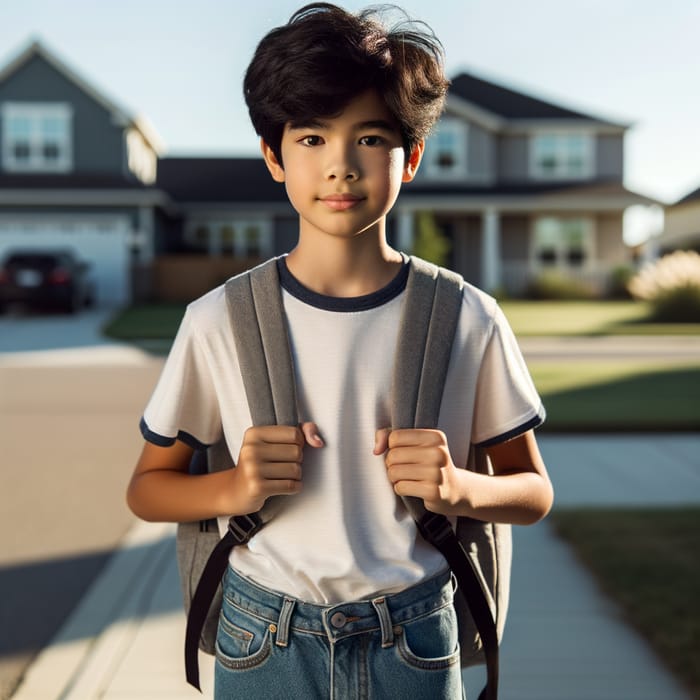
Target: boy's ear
(411,166)
(273,165)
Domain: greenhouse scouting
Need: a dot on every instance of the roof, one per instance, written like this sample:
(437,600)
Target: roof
(588,187)
(694,196)
(121,115)
(218,180)
(70,181)
(510,104)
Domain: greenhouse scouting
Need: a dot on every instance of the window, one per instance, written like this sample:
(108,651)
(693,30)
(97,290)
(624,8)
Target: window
(239,237)
(562,242)
(37,137)
(446,149)
(562,155)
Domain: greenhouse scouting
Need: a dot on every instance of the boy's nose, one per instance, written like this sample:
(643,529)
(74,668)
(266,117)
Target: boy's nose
(342,167)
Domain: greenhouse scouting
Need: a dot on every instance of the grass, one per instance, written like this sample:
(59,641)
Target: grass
(579,396)
(647,561)
(618,396)
(160,321)
(588,318)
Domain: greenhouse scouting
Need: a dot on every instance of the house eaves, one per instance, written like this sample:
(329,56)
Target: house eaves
(120,116)
(498,108)
(691,198)
(596,197)
(89,190)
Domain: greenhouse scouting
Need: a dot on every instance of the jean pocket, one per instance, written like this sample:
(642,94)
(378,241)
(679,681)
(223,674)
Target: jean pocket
(243,640)
(430,642)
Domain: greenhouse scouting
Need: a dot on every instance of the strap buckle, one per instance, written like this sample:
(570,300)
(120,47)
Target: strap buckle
(243,527)
(435,528)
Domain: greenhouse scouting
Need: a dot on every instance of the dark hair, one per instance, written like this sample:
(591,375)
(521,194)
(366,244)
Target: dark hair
(324,57)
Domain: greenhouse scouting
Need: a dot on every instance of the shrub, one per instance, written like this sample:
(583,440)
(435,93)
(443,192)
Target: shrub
(618,284)
(672,286)
(554,285)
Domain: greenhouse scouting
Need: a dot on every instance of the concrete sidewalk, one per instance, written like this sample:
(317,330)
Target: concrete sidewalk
(564,641)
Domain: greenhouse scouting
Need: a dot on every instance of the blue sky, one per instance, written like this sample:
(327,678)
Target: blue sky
(180,64)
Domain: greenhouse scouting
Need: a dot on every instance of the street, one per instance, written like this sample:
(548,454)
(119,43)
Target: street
(69,436)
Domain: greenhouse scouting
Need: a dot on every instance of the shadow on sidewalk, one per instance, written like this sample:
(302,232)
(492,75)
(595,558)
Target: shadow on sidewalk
(37,598)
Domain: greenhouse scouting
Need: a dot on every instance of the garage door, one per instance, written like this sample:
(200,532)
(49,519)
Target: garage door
(104,244)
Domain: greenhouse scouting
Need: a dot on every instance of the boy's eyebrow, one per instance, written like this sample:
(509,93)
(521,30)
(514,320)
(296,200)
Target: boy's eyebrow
(382,124)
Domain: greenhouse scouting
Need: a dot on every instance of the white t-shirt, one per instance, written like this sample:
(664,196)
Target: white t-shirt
(346,536)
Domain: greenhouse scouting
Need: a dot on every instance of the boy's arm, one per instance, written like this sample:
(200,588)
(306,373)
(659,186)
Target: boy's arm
(419,464)
(269,463)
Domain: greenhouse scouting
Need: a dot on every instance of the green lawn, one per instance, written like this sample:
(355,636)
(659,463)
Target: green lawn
(160,321)
(647,561)
(581,395)
(588,318)
(618,396)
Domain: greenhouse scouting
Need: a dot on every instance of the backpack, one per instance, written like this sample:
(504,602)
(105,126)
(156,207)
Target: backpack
(478,553)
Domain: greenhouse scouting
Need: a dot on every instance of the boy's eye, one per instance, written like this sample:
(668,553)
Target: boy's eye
(310,140)
(371,140)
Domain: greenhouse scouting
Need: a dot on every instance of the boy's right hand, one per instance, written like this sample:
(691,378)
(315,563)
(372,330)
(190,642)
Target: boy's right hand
(269,464)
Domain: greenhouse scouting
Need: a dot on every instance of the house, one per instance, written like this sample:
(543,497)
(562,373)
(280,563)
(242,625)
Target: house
(681,225)
(518,186)
(76,171)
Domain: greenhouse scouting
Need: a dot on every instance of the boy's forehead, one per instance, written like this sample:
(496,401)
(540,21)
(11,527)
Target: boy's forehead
(367,110)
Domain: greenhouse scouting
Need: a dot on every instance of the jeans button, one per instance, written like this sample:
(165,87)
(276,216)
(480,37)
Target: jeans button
(338,620)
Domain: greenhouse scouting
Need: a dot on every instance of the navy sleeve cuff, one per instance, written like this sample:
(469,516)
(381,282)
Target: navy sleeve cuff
(534,422)
(163,441)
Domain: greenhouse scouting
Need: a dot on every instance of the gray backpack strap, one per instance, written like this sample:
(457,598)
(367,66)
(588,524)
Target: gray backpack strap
(433,301)
(431,310)
(262,344)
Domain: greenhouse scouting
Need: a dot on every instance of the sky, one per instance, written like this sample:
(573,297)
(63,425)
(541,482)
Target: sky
(180,64)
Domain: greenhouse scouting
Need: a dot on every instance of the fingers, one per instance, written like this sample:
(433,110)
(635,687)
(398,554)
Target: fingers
(381,441)
(311,434)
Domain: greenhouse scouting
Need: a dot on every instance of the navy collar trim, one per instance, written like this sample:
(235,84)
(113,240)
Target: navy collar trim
(342,304)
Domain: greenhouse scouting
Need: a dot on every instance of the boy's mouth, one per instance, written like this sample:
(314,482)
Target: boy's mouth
(341,202)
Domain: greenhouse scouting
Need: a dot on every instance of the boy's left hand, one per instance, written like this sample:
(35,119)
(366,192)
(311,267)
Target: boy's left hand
(419,464)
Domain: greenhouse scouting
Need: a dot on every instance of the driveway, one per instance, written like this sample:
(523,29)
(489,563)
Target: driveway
(22,332)
(70,402)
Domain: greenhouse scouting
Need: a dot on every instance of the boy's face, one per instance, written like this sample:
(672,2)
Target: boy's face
(343,174)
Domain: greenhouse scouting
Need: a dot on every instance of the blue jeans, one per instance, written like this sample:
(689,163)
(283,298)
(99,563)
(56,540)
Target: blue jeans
(392,647)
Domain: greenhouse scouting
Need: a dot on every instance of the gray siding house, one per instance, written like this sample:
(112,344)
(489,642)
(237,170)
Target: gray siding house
(517,185)
(681,225)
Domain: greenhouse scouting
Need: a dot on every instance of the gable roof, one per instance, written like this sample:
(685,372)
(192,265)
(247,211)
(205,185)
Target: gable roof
(693,196)
(121,116)
(509,104)
(197,180)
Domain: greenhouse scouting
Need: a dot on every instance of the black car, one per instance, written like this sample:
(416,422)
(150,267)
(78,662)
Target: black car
(45,279)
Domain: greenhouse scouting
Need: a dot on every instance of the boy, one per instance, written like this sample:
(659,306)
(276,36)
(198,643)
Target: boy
(342,106)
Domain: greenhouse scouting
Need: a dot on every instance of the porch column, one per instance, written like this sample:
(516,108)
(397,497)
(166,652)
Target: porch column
(405,232)
(491,250)
(143,237)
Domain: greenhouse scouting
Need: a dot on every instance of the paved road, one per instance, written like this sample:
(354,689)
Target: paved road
(21,332)
(671,348)
(68,430)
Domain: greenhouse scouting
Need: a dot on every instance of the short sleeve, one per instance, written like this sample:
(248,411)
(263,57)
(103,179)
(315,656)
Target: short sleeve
(507,403)
(184,404)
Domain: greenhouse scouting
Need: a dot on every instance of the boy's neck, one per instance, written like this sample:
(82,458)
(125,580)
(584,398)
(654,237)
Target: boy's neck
(344,268)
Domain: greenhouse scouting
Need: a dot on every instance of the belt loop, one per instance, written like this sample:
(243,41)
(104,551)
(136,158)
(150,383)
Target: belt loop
(384,622)
(282,638)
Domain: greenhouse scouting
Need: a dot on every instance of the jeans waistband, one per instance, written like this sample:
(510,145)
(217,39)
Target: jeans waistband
(344,619)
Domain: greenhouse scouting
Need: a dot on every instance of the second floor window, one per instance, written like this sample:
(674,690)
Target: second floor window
(446,150)
(564,155)
(37,137)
